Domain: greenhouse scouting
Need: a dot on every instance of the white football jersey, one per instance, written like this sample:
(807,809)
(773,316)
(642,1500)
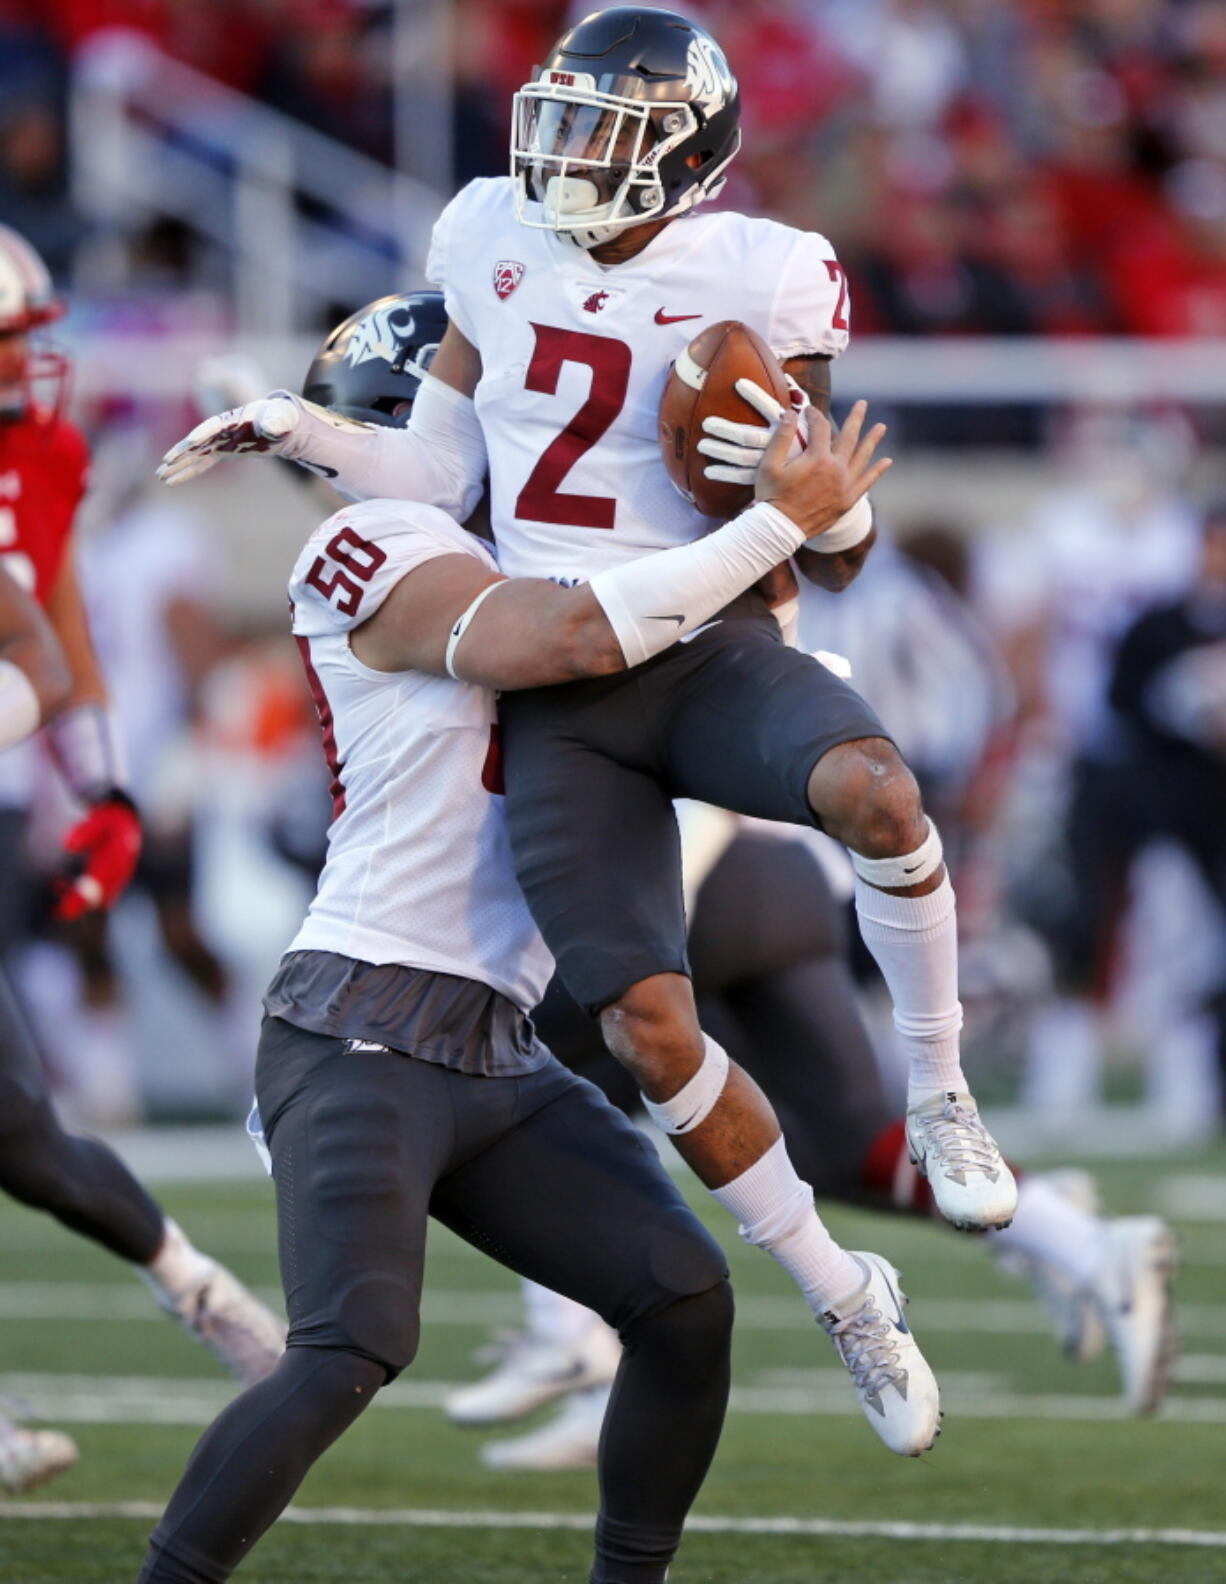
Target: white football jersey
(419,867)
(575,355)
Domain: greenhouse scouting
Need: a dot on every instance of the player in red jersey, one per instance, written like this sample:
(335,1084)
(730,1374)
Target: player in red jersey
(43,466)
(44,463)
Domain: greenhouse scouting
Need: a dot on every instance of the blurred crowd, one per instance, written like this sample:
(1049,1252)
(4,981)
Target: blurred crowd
(1002,166)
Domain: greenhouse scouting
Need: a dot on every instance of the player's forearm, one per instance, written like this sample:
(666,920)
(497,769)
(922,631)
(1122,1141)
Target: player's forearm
(529,633)
(658,599)
(438,459)
(33,684)
(34,675)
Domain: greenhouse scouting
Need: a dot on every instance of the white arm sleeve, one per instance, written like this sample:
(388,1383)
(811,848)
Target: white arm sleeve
(438,460)
(656,599)
(19,708)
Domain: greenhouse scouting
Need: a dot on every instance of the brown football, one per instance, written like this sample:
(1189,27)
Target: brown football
(702,384)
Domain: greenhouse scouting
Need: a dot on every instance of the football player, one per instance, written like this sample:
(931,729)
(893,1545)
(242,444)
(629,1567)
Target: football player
(78,1180)
(398,1073)
(571,286)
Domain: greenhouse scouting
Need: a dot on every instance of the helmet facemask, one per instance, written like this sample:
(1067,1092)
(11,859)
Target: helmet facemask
(589,161)
(32,369)
(33,374)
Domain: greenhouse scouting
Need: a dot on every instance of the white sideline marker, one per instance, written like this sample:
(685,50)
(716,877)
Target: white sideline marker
(434,1518)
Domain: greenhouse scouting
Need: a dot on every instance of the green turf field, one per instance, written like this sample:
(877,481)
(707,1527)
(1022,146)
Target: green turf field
(1031,1442)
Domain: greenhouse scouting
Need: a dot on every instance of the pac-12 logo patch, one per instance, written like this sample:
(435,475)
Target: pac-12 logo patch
(507,275)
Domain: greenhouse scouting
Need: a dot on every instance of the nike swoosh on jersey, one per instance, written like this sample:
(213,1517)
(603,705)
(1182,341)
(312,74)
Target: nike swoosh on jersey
(663,318)
(690,636)
(677,619)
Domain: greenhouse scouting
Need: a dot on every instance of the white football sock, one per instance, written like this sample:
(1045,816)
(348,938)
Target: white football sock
(1047,1227)
(178,1267)
(914,941)
(552,1318)
(775,1211)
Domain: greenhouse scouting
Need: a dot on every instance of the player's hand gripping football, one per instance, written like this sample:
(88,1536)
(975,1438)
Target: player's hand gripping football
(738,448)
(818,484)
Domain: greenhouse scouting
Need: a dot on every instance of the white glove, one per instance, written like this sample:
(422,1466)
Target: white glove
(738,447)
(266,427)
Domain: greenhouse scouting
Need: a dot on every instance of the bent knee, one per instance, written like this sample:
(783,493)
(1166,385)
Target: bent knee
(653,1030)
(376,1317)
(691,1329)
(867,798)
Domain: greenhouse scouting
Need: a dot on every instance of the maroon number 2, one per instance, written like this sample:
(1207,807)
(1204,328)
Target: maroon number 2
(540,500)
(357,561)
(838,274)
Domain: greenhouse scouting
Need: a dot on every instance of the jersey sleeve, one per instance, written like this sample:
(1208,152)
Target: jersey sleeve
(350,564)
(811,313)
(438,273)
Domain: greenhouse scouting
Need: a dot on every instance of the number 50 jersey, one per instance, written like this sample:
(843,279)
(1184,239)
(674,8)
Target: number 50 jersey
(419,867)
(574,358)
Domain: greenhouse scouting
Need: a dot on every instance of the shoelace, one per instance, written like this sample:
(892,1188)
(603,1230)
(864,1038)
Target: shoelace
(962,1141)
(864,1341)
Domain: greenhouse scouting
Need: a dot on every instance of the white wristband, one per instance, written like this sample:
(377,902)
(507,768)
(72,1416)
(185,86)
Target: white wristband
(852,527)
(656,599)
(20,712)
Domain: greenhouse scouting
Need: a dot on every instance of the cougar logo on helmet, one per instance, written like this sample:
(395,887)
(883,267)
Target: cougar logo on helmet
(382,335)
(706,74)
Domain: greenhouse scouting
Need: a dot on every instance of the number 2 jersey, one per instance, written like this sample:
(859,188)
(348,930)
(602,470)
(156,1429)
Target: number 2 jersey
(418,870)
(574,358)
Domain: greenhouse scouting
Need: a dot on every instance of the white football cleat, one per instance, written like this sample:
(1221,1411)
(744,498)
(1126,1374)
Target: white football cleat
(972,1186)
(1076,1319)
(231,1322)
(31,1457)
(535,1372)
(897,1390)
(571,1440)
(1132,1295)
